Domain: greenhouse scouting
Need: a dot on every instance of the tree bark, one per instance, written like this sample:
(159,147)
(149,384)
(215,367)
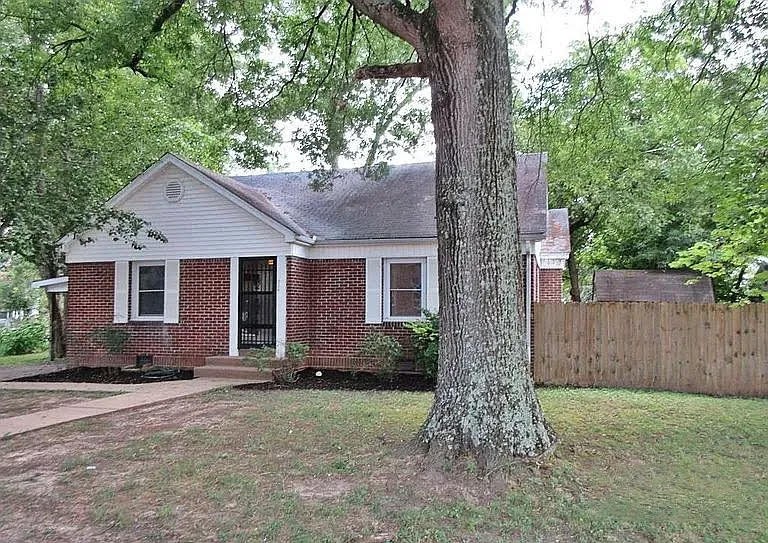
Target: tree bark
(573,275)
(485,404)
(391,71)
(57,348)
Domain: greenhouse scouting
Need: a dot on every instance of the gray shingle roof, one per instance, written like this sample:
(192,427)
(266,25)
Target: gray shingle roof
(651,286)
(401,205)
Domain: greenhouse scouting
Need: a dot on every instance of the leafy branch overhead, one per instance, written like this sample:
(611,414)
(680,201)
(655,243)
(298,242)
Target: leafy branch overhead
(656,137)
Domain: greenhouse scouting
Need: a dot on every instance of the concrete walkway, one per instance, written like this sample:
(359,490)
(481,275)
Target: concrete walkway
(140,396)
(8,373)
(74,387)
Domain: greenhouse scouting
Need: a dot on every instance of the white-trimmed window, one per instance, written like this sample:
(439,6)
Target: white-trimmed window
(148,300)
(404,288)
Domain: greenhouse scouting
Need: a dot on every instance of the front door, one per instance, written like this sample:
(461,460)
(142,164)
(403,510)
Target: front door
(258,294)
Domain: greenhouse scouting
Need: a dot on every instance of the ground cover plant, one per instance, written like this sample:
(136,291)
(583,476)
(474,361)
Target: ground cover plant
(323,465)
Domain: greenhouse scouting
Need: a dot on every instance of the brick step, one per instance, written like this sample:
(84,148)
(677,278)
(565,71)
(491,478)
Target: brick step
(233,372)
(236,361)
(224,361)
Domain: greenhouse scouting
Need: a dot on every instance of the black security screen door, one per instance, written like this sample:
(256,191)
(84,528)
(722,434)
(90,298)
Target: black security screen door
(257,302)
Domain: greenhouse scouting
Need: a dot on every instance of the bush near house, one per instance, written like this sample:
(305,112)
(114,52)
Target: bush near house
(387,350)
(425,342)
(29,336)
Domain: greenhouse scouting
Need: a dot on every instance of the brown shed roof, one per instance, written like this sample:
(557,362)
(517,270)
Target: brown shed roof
(651,286)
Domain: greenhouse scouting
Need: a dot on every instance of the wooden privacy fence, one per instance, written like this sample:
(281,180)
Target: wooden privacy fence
(705,348)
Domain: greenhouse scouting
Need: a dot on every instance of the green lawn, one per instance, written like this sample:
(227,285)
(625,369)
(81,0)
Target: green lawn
(21,359)
(315,466)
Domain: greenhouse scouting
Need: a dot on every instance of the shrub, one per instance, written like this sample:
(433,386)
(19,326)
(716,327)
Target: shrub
(27,337)
(295,353)
(260,358)
(425,342)
(112,338)
(386,349)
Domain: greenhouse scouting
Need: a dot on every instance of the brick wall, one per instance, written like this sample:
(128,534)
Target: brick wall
(328,302)
(325,309)
(551,286)
(203,328)
(299,314)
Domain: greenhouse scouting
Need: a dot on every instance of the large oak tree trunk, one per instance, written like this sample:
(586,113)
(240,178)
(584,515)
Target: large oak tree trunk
(485,404)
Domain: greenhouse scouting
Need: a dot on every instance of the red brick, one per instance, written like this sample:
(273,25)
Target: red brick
(203,328)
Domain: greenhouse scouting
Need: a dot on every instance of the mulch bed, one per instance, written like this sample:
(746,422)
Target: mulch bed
(103,375)
(344,380)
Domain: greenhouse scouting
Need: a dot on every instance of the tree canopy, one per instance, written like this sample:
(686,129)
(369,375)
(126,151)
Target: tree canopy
(657,140)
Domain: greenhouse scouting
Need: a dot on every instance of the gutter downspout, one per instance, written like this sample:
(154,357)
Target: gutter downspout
(528,303)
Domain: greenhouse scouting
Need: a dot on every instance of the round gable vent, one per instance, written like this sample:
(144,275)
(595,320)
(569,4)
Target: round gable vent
(174,191)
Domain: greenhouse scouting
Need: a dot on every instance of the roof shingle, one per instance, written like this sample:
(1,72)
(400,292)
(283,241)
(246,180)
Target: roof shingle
(651,286)
(401,205)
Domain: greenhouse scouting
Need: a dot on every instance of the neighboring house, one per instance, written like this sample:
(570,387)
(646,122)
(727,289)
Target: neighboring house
(264,260)
(652,286)
(10,317)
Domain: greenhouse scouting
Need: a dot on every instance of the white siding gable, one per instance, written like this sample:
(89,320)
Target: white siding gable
(203,224)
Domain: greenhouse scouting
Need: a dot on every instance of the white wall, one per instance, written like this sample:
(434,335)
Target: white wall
(203,224)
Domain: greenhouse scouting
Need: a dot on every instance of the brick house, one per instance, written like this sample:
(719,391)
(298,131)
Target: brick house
(264,260)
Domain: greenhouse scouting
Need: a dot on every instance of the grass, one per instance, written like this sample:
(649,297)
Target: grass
(314,466)
(21,359)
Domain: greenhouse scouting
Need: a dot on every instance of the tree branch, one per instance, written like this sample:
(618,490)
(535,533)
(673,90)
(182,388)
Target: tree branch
(169,10)
(307,36)
(392,71)
(511,12)
(397,18)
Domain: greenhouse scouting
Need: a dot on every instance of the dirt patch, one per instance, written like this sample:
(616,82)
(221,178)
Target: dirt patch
(21,402)
(68,483)
(345,380)
(322,488)
(110,375)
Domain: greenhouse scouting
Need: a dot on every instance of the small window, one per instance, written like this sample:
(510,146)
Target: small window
(149,290)
(403,289)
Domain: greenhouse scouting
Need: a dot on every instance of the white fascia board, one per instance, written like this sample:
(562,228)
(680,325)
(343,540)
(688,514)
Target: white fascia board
(394,248)
(55,284)
(374,241)
(552,261)
(299,250)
